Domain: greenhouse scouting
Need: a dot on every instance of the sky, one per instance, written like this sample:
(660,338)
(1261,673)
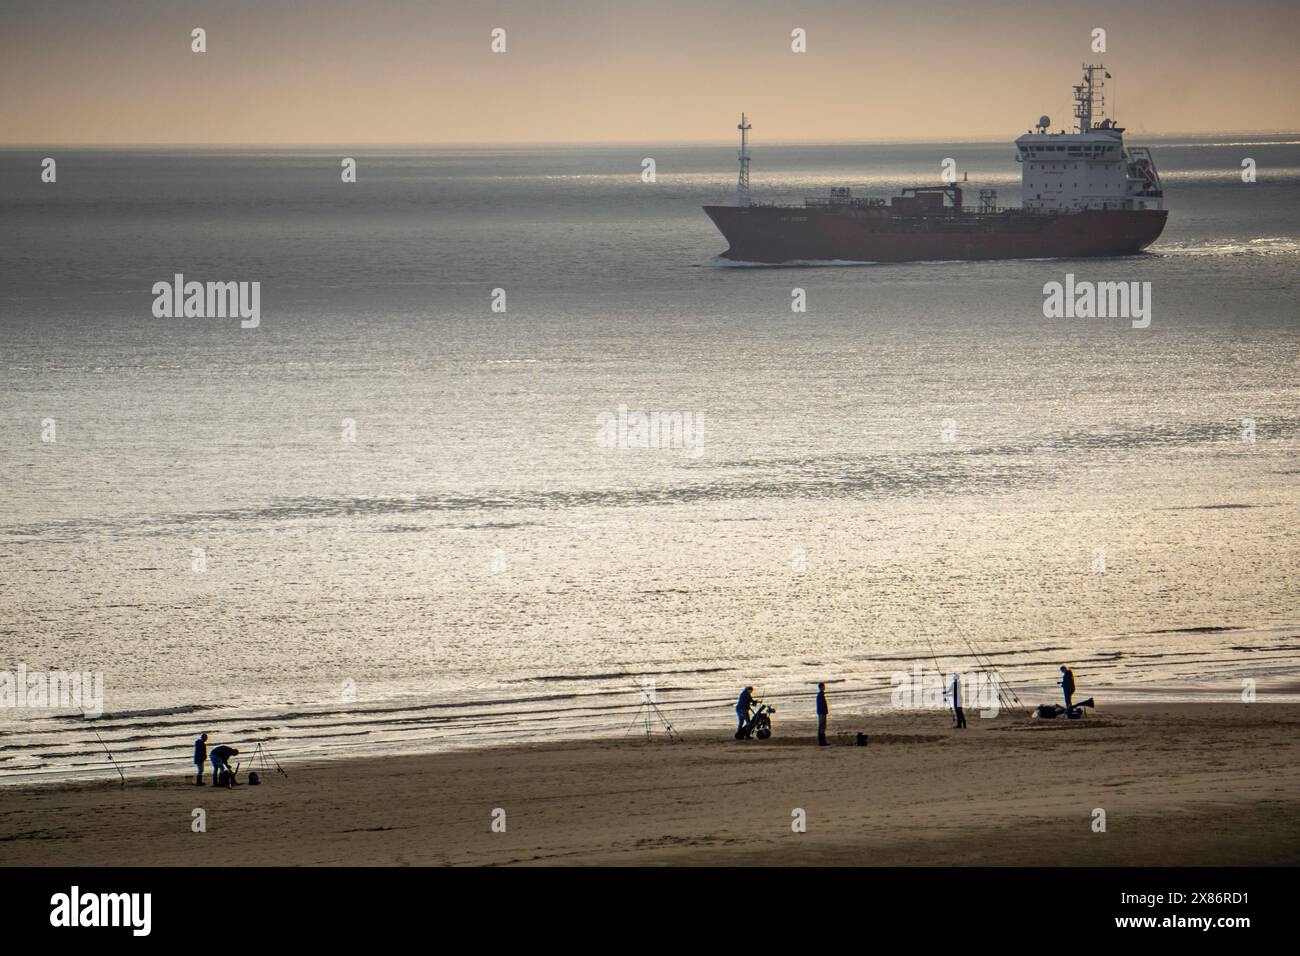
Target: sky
(372,72)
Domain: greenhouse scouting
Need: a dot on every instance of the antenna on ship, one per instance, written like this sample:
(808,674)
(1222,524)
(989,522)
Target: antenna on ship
(742,181)
(1088,96)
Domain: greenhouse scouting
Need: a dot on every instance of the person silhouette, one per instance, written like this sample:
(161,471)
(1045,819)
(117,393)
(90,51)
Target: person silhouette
(822,712)
(200,757)
(743,703)
(958,715)
(1067,687)
(221,761)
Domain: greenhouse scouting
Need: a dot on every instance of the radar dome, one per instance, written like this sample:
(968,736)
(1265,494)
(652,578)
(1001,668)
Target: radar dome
(1044,122)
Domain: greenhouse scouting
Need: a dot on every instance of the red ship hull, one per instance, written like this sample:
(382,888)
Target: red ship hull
(776,234)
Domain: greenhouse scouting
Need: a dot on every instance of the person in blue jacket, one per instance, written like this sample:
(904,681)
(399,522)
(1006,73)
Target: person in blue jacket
(743,704)
(200,757)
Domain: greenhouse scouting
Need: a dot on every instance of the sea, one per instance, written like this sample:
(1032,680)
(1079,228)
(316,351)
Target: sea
(417,506)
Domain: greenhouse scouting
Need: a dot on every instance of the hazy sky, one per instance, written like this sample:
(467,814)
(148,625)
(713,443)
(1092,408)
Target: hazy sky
(421,71)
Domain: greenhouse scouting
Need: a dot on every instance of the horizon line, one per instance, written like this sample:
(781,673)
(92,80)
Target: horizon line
(559,144)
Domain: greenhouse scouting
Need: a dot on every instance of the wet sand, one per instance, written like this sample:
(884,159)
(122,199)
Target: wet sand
(1180,784)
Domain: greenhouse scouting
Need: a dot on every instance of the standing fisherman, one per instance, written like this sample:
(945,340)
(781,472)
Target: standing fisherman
(1067,687)
(200,757)
(822,712)
(958,715)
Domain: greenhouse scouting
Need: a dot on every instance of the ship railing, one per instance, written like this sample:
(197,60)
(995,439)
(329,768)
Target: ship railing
(1056,210)
(854,202)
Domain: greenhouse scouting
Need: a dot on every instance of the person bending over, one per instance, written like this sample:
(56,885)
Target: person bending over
(221,761)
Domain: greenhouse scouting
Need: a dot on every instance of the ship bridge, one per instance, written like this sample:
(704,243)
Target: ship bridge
(1089,168)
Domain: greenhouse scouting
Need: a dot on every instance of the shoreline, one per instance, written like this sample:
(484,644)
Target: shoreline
(1180,784)
(146,753)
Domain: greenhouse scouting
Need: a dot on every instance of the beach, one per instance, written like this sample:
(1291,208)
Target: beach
(390,519)
(1188,784)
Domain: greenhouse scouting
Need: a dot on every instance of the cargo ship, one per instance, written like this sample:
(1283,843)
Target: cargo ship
(1082,193)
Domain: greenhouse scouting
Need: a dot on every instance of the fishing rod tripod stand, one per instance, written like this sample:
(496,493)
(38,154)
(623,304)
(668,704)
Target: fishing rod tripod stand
(643,714)
(262,759)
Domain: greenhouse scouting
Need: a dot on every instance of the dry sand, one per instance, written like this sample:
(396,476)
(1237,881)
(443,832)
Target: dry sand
(1181,784)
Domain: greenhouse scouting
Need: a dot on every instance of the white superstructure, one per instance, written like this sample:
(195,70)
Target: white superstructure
(1089,168)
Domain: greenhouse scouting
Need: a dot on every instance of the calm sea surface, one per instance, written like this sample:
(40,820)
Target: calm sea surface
(413,539)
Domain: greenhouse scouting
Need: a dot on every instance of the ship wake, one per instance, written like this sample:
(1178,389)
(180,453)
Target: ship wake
(1263,246)
(722,262)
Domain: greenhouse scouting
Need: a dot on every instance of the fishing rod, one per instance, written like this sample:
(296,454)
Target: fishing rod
(933,655)
(643,713)
(267,751)
(110,755)
(1006,693)
(987,664)
(937,669)
(1006,686)
(942,679)
(264,753)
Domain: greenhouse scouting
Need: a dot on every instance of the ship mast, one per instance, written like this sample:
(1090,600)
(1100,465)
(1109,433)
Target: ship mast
(742,181)
(1088,96)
